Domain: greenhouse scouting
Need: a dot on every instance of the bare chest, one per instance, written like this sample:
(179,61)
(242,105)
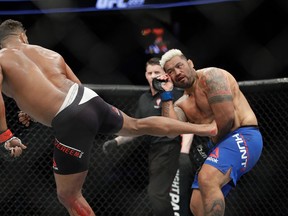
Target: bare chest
(197,108)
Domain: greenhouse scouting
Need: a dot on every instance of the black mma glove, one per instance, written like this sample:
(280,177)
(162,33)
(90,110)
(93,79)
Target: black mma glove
(157,84)
(165,95)
(109,146)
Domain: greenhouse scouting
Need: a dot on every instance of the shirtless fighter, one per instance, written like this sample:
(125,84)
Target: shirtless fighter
(45,88)
(212,94)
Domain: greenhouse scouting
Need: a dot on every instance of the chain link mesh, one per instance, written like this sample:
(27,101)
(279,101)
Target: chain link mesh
(116,184)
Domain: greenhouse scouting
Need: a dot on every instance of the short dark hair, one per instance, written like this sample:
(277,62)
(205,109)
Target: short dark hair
(153,61)
(10,27)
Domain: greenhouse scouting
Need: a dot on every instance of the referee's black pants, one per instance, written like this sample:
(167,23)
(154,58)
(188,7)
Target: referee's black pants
(163,165)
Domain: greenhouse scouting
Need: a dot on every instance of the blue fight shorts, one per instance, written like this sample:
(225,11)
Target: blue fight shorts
(239,150)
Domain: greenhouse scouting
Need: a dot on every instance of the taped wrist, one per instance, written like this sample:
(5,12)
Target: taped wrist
(166,96)
(5,150)
(6,135)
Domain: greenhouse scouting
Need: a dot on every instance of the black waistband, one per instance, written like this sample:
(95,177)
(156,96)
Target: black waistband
(255,126)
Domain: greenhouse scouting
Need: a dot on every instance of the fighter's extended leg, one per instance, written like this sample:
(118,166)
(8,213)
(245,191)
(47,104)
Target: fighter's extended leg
(70,195)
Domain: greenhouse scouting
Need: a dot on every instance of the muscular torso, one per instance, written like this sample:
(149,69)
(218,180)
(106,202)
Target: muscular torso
(197,109)
(36,79)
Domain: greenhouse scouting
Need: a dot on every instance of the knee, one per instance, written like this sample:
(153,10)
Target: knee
(66,197)
(62,197)
(75,204)
(193,208)
(205,180)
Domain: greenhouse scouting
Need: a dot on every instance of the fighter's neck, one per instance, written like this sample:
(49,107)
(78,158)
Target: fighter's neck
(194,82)
(12,42)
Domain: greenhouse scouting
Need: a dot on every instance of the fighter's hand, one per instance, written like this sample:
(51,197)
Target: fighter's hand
(163,83)
(12,148)
(24,118)
(109,146)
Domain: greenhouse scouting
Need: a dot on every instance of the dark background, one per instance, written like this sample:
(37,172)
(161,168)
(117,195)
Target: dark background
(247,38)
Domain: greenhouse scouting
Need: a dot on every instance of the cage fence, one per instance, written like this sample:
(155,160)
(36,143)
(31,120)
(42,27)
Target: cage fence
(116,184)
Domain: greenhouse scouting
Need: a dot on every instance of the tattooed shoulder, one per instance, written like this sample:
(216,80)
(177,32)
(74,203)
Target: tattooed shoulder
(216,85)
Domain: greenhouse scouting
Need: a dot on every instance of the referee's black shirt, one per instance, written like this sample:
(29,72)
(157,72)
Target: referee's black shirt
(149,105)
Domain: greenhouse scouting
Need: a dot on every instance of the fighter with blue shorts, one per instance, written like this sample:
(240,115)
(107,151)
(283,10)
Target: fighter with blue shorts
(239,150)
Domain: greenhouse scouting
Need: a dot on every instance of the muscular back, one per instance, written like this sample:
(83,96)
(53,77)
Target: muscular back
(36,78)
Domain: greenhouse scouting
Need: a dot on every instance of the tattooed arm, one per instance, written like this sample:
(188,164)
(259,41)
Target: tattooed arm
(217,86)
(171,110)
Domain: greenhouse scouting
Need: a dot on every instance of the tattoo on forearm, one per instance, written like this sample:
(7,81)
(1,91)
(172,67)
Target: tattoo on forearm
(165,109)
(180,114)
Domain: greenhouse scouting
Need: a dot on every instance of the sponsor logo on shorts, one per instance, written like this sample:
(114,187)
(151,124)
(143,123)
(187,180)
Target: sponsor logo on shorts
(68,149)
(108,4)
(54,165)
(242,146)
(214,155)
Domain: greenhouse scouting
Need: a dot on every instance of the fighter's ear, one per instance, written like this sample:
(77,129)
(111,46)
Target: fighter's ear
(23,37)
(190,63)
